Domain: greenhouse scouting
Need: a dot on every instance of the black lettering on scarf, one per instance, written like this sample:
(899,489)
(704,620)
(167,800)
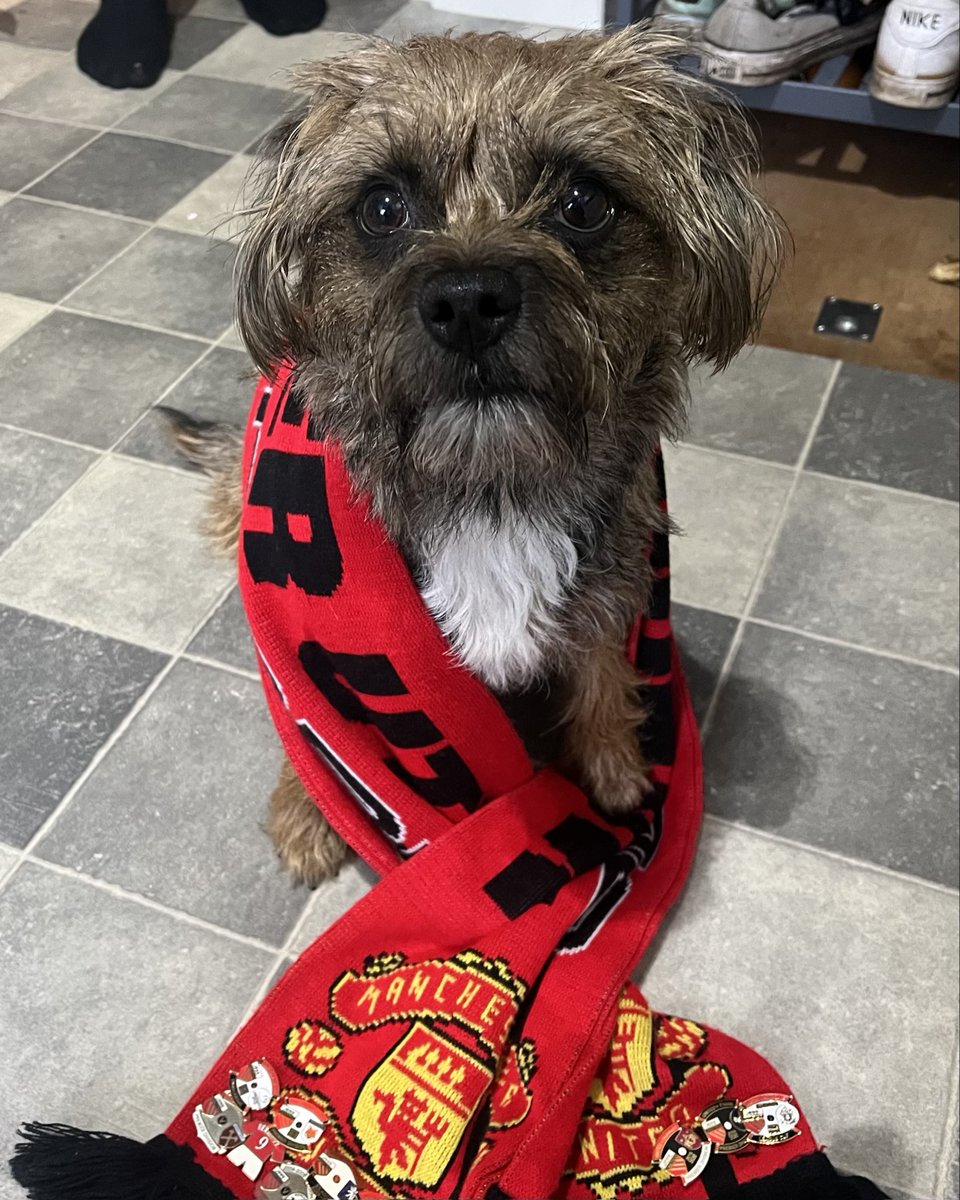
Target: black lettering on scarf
(293,486)
(340,677)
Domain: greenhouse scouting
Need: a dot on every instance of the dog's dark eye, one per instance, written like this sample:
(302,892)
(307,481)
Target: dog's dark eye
(382,211)
(585,206)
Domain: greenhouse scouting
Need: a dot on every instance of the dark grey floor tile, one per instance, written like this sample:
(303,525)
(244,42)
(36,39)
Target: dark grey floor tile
(64,692)
(87,380)
(143,805)
(32,147)
(172,280)
(194,38)
(703,639)
(45,250)
(359,16)
(763,404)
(111,1010)
(887,427)
(33,473)
(212,112)
(49,24)
(839,749)
(218,388)
(133,176)
(873,567)
(226,636)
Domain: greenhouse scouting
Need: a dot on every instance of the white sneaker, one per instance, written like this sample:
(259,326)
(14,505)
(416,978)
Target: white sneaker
(917,61)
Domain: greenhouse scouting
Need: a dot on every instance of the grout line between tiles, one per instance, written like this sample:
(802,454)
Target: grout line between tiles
(285,951)
(130,324)
(51,437)
(176,914)
(870,485)
(51,203)
(100,457)
(202,661)
(767,559)
(736,455)
(949,1149)
(796,631)
(139,704)
(860,864)
(876,652)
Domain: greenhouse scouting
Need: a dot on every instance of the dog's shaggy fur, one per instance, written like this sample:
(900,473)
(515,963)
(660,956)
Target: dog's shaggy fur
(516,477)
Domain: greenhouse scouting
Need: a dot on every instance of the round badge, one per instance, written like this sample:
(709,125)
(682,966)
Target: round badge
(722,1124)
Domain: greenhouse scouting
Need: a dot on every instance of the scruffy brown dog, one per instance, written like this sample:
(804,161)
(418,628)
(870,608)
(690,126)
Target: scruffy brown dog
(491,260)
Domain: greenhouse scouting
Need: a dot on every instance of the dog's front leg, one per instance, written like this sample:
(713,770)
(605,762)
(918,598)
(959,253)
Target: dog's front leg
(603,713)
(309,847)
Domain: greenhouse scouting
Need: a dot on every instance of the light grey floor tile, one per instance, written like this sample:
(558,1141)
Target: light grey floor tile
(839,975)
(219,388)
(211,208)
(121,554)
(33,473)
(953,1181)
(212,112)
(727,509)
(168,279)
(17,315)
(49,24)
(64,91)
(132,176)
(64,692)
(46,250)
(331,900)
(224,10)
(112,1010)
(87,380)
(132,819)
(32,147)
(359,16)
(704,639)
(226,636)
(421,17)
(889,428)
(20,64)
(253,56)
(840,749)
(763,404)
(233,340)
(195,36)
(868,566)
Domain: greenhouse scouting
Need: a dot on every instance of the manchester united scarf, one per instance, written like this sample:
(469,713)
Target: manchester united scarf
(467,1029)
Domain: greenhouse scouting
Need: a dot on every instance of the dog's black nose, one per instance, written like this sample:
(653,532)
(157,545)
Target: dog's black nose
(468,311)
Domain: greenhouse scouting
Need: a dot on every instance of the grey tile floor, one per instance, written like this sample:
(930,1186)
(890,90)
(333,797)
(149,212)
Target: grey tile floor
(141,912)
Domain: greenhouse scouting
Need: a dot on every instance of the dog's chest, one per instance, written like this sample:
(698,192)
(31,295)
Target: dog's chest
(496,592)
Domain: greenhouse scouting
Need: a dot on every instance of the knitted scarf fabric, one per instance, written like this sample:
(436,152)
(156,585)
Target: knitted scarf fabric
(467,1028)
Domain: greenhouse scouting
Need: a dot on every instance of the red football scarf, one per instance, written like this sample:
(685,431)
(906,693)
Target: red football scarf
(466,1028)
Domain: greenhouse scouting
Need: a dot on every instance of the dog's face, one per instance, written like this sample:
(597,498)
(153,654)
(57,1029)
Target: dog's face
(481,251)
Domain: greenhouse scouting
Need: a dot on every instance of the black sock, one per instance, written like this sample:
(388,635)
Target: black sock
(127,43)
(281,17)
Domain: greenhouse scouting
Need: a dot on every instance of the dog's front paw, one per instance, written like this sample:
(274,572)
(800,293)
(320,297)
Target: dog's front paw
(617,778)
(308,845)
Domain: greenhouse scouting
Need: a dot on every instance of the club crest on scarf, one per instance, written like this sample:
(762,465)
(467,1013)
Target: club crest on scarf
(413,1108)
(660,1110)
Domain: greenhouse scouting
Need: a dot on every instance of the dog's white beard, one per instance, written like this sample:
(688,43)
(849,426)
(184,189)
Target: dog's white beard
(495,592)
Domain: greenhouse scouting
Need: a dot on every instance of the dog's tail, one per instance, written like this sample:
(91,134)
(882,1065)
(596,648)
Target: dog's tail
(206,444)
(217,449)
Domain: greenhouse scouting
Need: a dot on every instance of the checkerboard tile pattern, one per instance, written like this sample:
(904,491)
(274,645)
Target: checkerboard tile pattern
(816,594)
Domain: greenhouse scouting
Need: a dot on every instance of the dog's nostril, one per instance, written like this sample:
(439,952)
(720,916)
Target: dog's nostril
(467,311)
(443,311)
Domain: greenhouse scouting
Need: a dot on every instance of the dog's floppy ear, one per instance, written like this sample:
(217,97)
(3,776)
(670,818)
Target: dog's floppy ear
(702,159)
(269,304)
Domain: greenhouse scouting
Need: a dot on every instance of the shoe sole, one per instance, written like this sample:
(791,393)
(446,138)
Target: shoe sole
(757,68)
(912,93)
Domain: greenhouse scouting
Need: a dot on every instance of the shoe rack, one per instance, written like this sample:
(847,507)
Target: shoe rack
(836,90)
